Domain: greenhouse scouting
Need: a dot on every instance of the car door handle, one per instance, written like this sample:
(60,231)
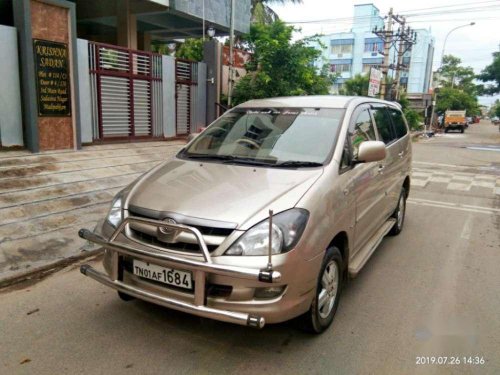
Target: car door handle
(401,154)
(381,168)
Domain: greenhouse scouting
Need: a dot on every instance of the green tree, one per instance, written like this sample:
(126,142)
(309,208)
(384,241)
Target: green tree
(262,12)
(456,99)
(413,118)
(191,49)
(491,74)
(458,90)
(357,85)
(453,74)
(495,109)
(280,67)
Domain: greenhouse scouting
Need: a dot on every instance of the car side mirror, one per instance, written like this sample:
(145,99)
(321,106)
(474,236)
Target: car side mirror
(371,151)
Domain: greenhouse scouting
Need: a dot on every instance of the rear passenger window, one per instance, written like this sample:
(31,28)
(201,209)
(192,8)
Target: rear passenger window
(383,124)
(362,131)
(398,122)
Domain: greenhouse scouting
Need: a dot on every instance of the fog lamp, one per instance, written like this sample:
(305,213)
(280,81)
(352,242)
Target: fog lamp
(269,293)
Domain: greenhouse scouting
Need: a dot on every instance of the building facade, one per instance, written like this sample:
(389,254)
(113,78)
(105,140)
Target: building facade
(355,52)
(80,71)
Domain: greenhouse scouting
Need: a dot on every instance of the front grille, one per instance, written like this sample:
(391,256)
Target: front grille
(179,246)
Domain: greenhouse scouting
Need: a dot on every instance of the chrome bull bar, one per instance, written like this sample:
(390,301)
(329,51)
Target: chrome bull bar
(199,268)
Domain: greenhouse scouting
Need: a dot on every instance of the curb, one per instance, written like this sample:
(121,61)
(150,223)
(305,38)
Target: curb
(39,273)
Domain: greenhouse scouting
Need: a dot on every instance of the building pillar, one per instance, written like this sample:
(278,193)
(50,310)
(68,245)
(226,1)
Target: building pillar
(49,67)
(144,42)
(126,25)
(212,56)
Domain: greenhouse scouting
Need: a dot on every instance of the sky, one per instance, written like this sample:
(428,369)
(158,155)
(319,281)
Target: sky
(474,45)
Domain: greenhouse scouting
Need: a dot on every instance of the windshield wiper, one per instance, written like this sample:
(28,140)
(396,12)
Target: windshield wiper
(228,159)
(208,156)
(297,164)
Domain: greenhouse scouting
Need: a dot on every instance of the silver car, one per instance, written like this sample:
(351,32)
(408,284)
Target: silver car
(265,215)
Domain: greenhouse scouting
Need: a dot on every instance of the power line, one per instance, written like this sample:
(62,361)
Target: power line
(450,6)
(438,11)
(488,8)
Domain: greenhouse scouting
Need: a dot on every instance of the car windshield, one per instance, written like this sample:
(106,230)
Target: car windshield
(288,137)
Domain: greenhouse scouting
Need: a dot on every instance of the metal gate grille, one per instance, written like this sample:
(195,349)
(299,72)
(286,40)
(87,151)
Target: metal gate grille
(185,77)
(126,92)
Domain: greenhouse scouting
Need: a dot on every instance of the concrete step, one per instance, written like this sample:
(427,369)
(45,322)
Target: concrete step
(71,166)
(53,222)
(31,211)
(21,255)
(26,197)
(81,156)
(11,185)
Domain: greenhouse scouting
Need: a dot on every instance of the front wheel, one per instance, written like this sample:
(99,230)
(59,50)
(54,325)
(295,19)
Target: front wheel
(325,303)
(399,214)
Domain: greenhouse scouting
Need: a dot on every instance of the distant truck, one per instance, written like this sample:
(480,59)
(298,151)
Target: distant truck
(455,120)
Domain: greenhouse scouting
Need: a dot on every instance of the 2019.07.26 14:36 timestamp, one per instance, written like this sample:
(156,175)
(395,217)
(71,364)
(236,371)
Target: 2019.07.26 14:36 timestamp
(450,360)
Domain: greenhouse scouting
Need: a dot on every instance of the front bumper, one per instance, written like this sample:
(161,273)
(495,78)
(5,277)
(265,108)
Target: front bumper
(200,269)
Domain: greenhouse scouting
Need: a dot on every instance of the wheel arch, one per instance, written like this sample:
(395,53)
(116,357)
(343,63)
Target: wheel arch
(406,185)
(341,241)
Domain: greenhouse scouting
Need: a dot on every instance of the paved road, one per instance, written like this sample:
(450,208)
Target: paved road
(432,291)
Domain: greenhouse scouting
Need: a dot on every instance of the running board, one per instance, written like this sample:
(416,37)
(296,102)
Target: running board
(365,253)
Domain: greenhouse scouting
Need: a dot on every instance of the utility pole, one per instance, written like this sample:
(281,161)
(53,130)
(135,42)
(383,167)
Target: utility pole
(387,37)
(402,39)
(400,52)
(231,57)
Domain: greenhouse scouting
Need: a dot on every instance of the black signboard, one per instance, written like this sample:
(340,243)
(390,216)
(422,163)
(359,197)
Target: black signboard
(52,78)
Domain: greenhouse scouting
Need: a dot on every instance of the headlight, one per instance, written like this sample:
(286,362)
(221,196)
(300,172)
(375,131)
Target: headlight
(287,229)
(115,214)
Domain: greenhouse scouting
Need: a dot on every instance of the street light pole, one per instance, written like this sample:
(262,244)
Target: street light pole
(434,102)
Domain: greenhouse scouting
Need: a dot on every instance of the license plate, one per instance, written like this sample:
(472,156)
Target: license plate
(181,279)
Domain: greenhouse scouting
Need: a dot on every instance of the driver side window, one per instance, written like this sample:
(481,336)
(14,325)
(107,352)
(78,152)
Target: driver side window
(362,130)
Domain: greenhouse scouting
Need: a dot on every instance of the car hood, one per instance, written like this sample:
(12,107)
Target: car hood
(223,192)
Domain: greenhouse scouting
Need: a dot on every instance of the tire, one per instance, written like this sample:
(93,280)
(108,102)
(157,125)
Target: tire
(399,214)
(320,317)
(446,130)
(125,297)
(462,130)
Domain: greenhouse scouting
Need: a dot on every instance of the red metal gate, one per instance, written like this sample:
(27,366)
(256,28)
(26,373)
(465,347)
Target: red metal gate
(126,88)
(185,77)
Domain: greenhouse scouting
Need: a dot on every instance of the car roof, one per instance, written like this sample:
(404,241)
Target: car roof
(314,101)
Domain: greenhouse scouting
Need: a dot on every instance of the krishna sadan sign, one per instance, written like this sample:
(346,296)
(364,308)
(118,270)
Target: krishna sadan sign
(52,78)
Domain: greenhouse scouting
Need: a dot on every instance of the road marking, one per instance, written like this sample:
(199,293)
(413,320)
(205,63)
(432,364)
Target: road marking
(445,165)
(467,229)
(455,206)
(484,149)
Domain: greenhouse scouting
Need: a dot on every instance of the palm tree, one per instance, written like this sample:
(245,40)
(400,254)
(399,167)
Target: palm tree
(262,12)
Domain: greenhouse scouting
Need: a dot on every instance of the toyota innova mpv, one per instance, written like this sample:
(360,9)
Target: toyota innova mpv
(264,215)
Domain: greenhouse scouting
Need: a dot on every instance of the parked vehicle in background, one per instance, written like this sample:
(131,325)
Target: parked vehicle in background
(469,120)
(455,120)
(265,214)
(495,120)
